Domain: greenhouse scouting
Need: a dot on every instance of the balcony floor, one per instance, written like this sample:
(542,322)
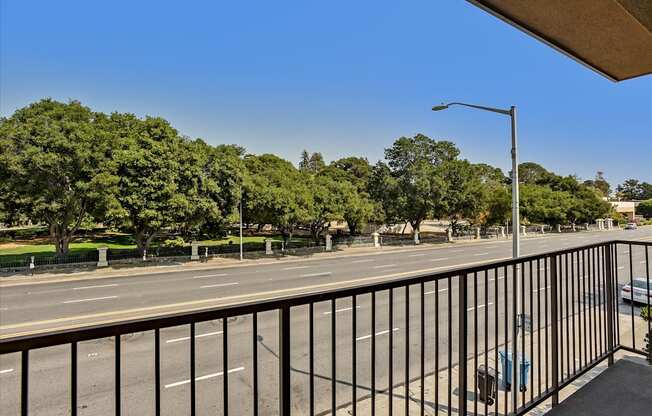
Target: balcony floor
(623,389)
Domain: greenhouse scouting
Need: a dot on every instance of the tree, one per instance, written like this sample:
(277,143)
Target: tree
(327,203)
(464,196)
(533,174)
(311,163)
(632,189)
(542,205)
(57,164)
(276,193)
(154,168)
(600,183)
(645,208)
(498,205)
(409,187)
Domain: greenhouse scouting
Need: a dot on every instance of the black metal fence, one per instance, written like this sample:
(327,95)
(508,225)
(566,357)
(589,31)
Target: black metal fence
(557,315)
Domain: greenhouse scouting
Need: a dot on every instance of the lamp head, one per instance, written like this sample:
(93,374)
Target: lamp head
(439,107)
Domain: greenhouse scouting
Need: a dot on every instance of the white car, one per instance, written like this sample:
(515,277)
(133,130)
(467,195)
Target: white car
(641,293)
(631,226)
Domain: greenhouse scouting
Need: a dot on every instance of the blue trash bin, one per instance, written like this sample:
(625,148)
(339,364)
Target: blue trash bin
(506,365)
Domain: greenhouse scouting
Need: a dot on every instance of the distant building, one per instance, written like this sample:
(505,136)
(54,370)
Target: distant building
(627,208)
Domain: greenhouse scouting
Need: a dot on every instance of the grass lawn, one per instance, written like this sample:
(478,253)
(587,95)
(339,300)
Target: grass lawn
(115,241)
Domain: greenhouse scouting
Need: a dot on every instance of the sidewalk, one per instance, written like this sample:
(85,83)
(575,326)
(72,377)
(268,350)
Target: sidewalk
(436,401)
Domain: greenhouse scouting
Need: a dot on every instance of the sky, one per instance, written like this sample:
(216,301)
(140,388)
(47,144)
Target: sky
(340,77)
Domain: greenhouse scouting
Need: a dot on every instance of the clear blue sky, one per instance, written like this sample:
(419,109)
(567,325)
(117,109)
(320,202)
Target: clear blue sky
(340,77)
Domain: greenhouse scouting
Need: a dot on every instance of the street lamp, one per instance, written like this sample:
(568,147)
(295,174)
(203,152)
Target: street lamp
(516,249)
(520,321)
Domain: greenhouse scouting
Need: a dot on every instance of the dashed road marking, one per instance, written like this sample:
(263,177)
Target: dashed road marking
(208,334)
(94,287)
(210,275)
(90,299)
(317,274)
(6,371)
(341,310)
(362,338)
(205,377)
(383,266)
(219,285)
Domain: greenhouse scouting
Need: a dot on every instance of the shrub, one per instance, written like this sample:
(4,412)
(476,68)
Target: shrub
(174,242)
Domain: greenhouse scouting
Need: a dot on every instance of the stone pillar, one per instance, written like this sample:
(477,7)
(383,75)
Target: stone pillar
(449,235)
(416,237)
(502,232)
(329,242)
(376,239)
(543,231)
(31,265)
(586,226)
(101,257)
(573,227)
(610,223)
(194,250)
(477,233)
(523,230)
(559,228)
(268,246)
(144,255)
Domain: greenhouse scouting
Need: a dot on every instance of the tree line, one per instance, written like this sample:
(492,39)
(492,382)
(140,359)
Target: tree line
(69,167)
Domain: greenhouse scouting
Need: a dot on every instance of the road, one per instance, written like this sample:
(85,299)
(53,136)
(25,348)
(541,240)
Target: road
(48,306)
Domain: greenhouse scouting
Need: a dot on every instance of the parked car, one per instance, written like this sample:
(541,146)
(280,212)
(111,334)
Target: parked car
(631,226)
(640,293)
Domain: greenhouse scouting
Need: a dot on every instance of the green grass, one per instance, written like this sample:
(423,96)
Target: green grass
(118,241)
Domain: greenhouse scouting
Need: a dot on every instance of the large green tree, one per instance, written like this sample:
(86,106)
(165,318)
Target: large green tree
(409,187)
(645,208)
(276,193)
(465,194)
(155,169)
(57,163)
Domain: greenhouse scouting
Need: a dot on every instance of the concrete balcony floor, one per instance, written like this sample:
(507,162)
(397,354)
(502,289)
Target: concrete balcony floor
(624,389)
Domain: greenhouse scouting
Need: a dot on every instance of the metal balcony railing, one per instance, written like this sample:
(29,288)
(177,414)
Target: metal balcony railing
(568,309)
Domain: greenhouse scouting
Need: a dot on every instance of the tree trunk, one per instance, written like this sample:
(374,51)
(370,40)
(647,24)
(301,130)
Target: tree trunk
(61,239)
(143,240)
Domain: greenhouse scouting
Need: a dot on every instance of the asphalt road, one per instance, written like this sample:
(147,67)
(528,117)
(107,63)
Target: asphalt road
(50,306)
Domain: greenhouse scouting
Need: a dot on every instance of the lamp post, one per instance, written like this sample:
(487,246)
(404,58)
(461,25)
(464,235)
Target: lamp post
(516,225)
(516,248)
(240,209)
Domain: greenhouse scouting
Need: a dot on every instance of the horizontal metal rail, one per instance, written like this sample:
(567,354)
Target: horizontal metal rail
(564,321)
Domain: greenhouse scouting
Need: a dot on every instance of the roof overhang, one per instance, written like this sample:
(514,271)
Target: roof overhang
(612,37)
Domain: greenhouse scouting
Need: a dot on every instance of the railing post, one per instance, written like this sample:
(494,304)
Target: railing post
(610,301)
(463,344)
(284,360)
(554,328)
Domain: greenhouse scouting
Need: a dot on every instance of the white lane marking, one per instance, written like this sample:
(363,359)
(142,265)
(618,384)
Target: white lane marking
(642,261)
(626,252)
(499,278)
(206,377)
(540,289)
(210,275)
(481,254)
(219,285)
(430,292)
(92,354)
(4,309)
(94,287)
(208,334)
(362,338)
(363,261)
(457,251)
(89,299)
(480,306)
(491,246)
(621,267)
(296,267)
(439,259)
(418,255)
(6,371)
(317,274)
(382,266)
(341,310)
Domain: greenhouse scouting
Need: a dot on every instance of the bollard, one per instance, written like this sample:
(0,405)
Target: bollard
(329,242)
(416,237)
(477,233)
(502,232)
(194,250)
(101,257)
(144,255)
(268,246)
(449,235)
(559,228)
(573,227)
(376,239)
(31,265)
(523,230)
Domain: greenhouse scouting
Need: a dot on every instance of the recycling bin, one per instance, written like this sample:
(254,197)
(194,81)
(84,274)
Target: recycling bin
(486,379)
(507,364)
